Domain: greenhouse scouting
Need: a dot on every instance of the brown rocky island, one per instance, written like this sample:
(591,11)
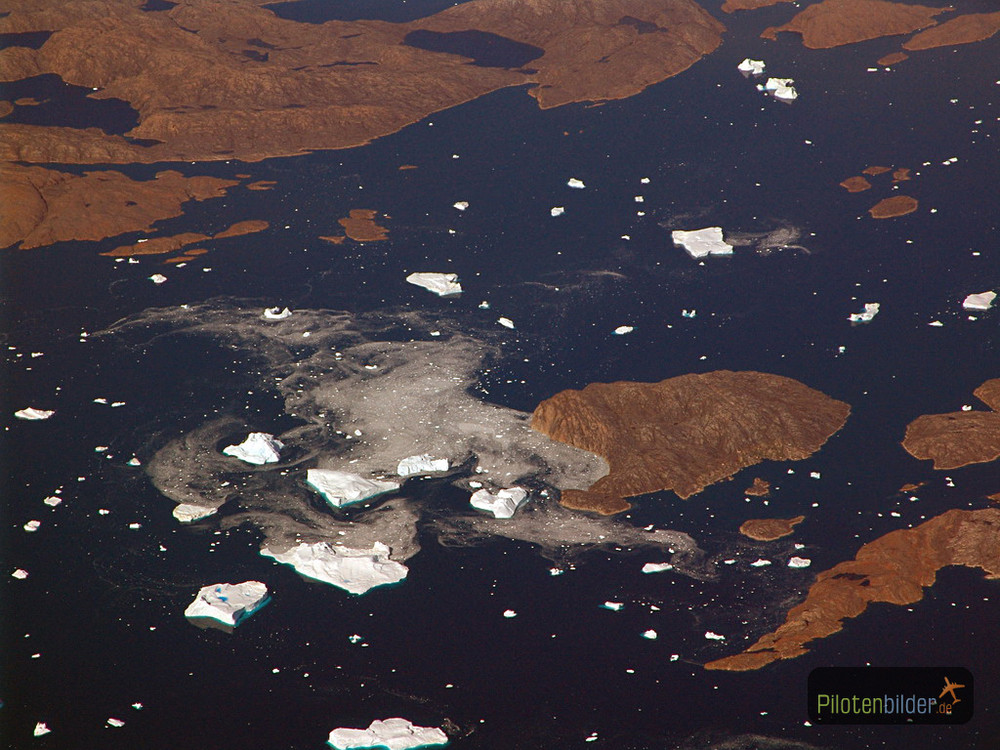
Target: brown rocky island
(685,433)
(960,438)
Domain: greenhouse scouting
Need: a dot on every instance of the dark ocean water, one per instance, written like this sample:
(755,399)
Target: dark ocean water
(103,604)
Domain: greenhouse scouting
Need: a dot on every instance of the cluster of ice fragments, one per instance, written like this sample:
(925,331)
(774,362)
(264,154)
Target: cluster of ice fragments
(340,488)
(780,88)
(701,243)
(259,448)
(229,603)
(442,284)
(354,570)
(393,734)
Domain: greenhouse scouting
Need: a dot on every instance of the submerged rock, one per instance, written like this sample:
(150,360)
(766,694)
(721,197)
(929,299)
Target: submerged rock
(340,488)
(259,448)
(393,734)
(354,570)
(229,603)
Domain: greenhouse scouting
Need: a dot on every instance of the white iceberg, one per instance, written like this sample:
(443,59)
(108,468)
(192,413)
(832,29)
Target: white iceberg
(276,313)
(650,635)
(714,636)
(461,205)
(981,301)
(799,562)
(422,464)
(701,243)
(760,563)
(442,284)
(502,504)
(751,67)
(32,414)
(393,734)
(157,278)
(506,322)
(259,448)
(20,574)
(613,606)
(341,488)
(354,570)
(189,512)
(32,525)
(116,723)
(622,330)
(575,183)
(870,311)
(229,603)
(40,729)
(557,210)
(656,567)
(781,88)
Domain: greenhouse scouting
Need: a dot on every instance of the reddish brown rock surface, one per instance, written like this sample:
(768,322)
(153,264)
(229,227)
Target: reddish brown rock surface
(875,170)
(855,184)
(895,568)
(685,433)
(41,206)
(759,488)
(897,205)
(893,58)
(769,529)
(971,27)
(731,6)
(161,245)
(360,226)
(960,438)
(833,23)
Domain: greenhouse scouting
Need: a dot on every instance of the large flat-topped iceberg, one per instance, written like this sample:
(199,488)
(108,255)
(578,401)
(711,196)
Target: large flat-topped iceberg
(354,570)
(503,504)
(229,603)
(981,301)
(394,734)
(442,284)
(423,464)
(189,512)
(259,448)
(341,488)
(701,243)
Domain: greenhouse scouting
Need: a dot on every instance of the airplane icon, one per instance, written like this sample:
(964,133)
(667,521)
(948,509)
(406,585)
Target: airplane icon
(950,687)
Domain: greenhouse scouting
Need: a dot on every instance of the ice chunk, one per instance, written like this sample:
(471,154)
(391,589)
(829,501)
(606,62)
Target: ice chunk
(277,313)
(229,603)
(650,634)
(461,205)
(656,567)
(870,311)
(509,613)
(354,570)
(259,448)
(575,183)
(32,525)
(52,500)
(799,562)
(502,504)
(189,512)
(751,67)
(20,574)
(157,278)
(341,488)
(422,464)
(557,210)
(33,414)
(40,729)
(393,734)
(701,243)
(442,284)
(714,636)
(506,322)
(613,606)
(981,301)
(781,88)
(622,330)
(117,723)
(760,563)
(134,461)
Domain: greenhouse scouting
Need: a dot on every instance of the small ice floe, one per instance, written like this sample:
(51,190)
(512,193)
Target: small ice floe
(760,563)
(353,570)
(32,414)
(422,464)
(700,243)
(116,723)
(133,462)
(936,323)
(799,562)
(509,613)
(442,284)
(32,525)
(229,603)
(277,313)
(613,606)
(502,504)
(460,205)
(41,728)
(622,330)
(506,322)
(675,657)
(557,210)
(714,636)
(258,448)
(157,278)
(556,571)
(656,567)
(340,488)
(980,301)
(52,500)
(650,635)
(137,706)
(575,183)
(189,512)
(20,574)
(781,89)
(814,475)
(689,313)
(394,734)
(751,67)
(592,737)
(870,311)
